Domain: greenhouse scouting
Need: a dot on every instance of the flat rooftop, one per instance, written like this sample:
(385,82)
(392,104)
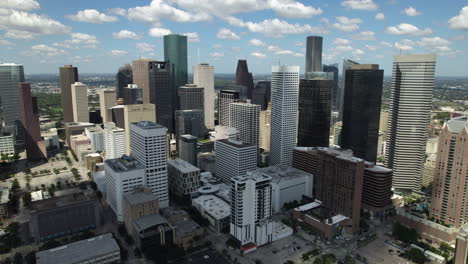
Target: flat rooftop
(320,213)
(182,165)
(280,173)
(147,125)
(64,200)
(213,205)
(4,195)
(139,197)
(148,221)
(79,251)
(95,129)
(124,164)
(235,143)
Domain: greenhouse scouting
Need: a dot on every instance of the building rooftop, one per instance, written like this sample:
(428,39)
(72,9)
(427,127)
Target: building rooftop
(148,221)
(65,200)
(79,251)
(96,129)
(280,173)
(182,165)
(235,143)
(320,213)
(183,224)
(4,195)
(147,125)
(457,124)
(124,164)
(78,124)
(10,64)
(188,137)
(214,206)
(345,154)
(139,196)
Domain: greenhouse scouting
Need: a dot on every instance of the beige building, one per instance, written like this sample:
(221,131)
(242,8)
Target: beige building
(136,113)
(107,99)
(141,202)
(80,102)
(461,249)
(383,121)
(265,120)
(141,69)
(429,168)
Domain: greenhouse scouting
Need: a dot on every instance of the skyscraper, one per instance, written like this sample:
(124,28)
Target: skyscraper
(191,97)
(313,54)
(79,98)
(234,158)
(10,75)
(107,99)
(164,93)
(284,106)
(409,115)
(189,122)
(135,113)
(225,98)
(333,68)
(203,76)
(244,77)
(175,52)
(149,147)
(132,94)
(34,145)
(68,76)
(141,77)
(246,119)
(347,64)
(361,110)
(124,77)
(314,112)
(450,187)
(114,138)
(187,149)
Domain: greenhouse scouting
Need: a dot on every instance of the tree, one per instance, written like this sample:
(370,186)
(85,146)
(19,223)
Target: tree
(30,258)
(51,191)
(93,185)
(417,256)
(18,258)
(318,261)
(349,260)
(445,247)
(27,199)
(15,185)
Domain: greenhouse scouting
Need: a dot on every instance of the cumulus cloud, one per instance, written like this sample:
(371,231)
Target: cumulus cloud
(192,37)
(118,11)
(145,47)
(44,50)
(257,43)
(460,21)
(4,42)
(411,11)
(347,24)
(407,29)
(358,52)
(79,40)
(342,48)
(293,9)
(118,52)
(341,41)
(159,32)
(360,4)
(125,34)
(225,33)
(365,35)
(298,43)
(405,45)
(159,9)
(278,50)
(92,16)
(385,44)
(379,16)
(371,47)
(217,54)
(298,55)
(435,44)
(258,55)
(25,5)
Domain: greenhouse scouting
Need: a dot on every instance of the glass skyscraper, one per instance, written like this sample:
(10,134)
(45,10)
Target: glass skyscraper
(175,52)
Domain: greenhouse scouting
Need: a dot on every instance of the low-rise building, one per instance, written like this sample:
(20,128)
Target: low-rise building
(461,248)
(75,128)
(4,199)
(51,139)
(78,140)
(152,231)
(138,203)
(82,151)
(101,249)
(91,161)
(184,178)
(7,144)
(215,210)
(188,234)
(96,137)
(377,190)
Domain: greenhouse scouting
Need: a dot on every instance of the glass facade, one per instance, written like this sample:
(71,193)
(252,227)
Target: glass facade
(10,75)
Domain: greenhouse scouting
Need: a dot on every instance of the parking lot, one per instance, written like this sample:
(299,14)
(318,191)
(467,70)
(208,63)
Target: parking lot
(378,251)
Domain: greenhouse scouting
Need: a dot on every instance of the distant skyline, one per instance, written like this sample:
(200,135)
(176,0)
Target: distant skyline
(100,36)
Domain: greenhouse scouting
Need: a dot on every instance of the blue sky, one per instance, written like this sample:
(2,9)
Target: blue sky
(100,35)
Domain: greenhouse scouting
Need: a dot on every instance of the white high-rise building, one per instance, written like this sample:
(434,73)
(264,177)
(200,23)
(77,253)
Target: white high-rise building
(96,137)
(251,210)
(246,119)
(225,98)
(79,93)
(284,107)
(114,138)
(122,175)
(409,116)
(149,146)
(234,158)
(203,76)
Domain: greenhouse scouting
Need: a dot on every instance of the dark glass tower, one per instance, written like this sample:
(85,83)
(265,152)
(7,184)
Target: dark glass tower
(244,77)
(347,64)
(262,94)
(68,76)
(361,110)
(334,69)
(175,52)
(313,61)
(163,94)
(124,77)
(314,112)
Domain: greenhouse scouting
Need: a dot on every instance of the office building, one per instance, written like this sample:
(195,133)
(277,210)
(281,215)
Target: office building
(461,248)
(450,186)
(246,119)
(223,132)
(265,124)
(165,93)
(96,138)
(259,95)
(333,68)
(149,147)
(136,113)
(101,249)
(4,199)
(188,234)
(189,122)
(10,75)
(144,79)
(215,209)
(132,94)
(107,99)
(123,174)
(124,77)
(114,138)
(175,52)
(361,110)
(75,128)
(184,178)
(347,64)
(313,54)
(244,77)
(314,112)
(225,98)
(191,97)
(377,190)
(62,212)
(187,149)
(7,143)
(284,107)
(33,143)
(153,231)
(203,76)
(68,76)
(138,203)
(79,95)
(234,158)
(409,115)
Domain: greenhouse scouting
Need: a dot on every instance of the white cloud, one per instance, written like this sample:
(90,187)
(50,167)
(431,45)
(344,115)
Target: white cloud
(357,52)
(158,32)
(293,9)
(145,47)
(79,40)
(284,52)
(342,48)
(435,44)
(16,24)
(92,16)
(278,50)
(371,47)
(256,43)
(118,11)
(125,34)
(347,24)
(192,37)
(118,52)
(386,44)
(365,35)
(411,11)
(408,29)
(341,41)
(44,50)
(405,44)
(460,21)
(236,49)
(273,48)
(379,16)
(225,33)
(258,55)
(25,5)
(217,54)
(298,43)
(217,46)
(360,4)
(5,42)
(298,55)
(158,10)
